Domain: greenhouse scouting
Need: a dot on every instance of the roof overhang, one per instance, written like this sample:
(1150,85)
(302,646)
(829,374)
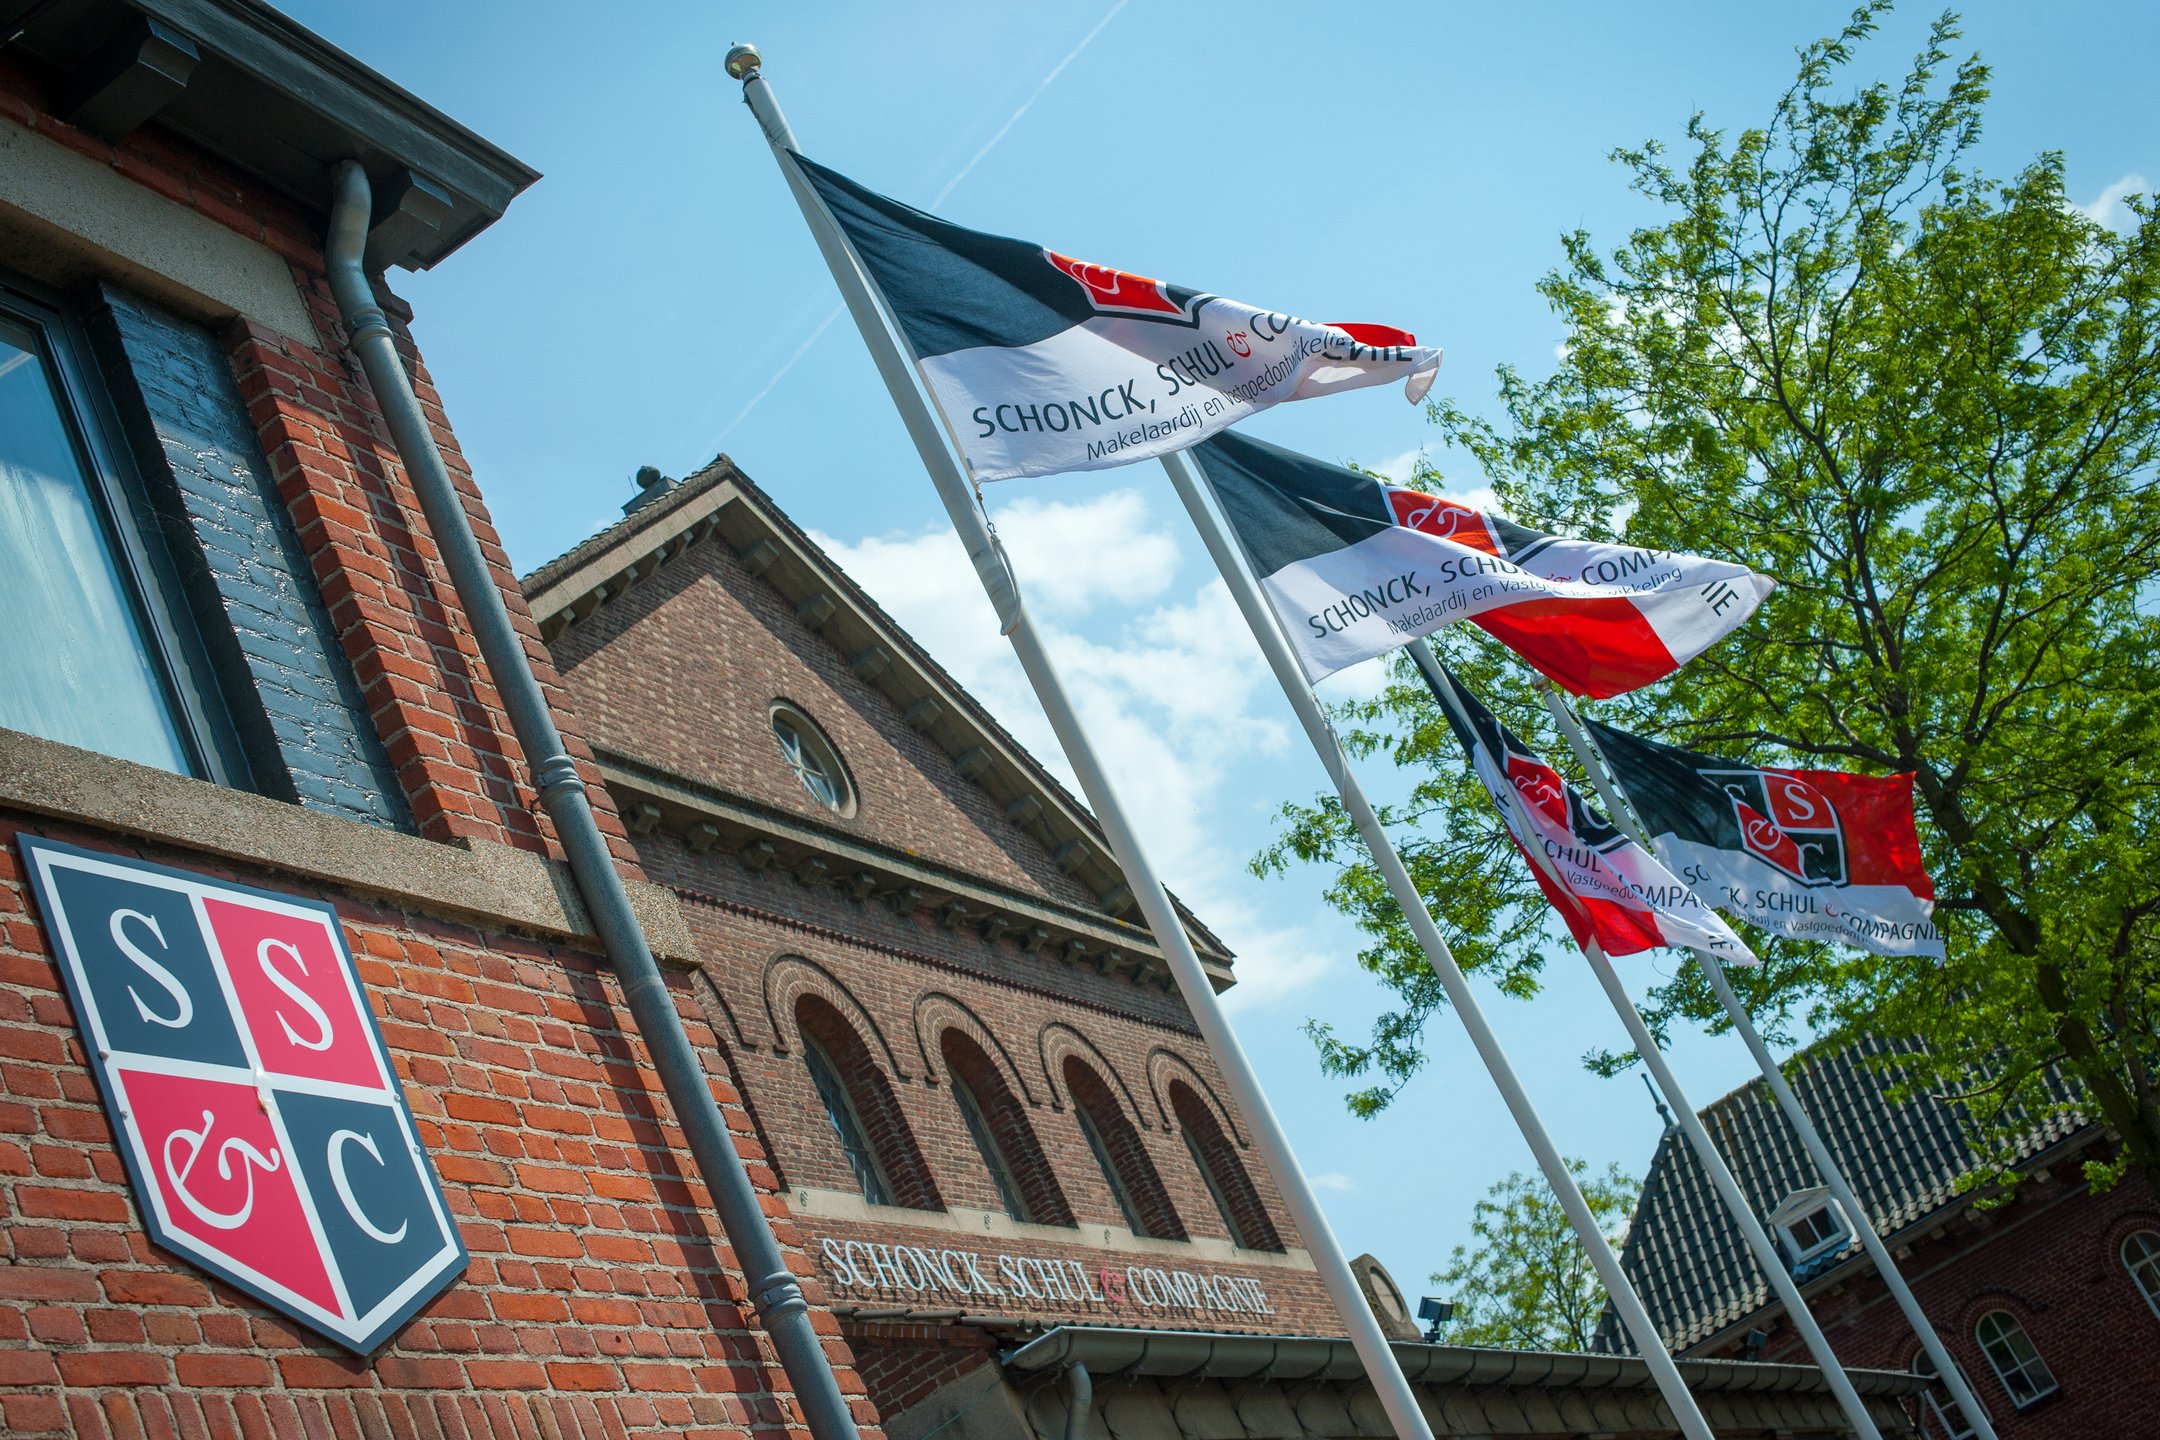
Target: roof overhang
(1187,1354)
(276,102)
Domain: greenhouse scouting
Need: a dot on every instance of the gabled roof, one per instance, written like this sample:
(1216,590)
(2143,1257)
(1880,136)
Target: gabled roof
(721,503)
(1686,1257)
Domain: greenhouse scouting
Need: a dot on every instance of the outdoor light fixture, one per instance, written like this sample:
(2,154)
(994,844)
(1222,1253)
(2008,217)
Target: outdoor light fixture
(1435,1312)
(1751,1344)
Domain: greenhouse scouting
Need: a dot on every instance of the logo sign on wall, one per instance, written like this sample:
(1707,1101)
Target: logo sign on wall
(263,1128)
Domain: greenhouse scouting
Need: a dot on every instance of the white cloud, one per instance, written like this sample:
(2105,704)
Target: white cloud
(1333,1180)
(2109,209)
(1170,686)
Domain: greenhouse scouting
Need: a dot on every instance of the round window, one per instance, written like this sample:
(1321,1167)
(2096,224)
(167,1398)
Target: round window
(813,759)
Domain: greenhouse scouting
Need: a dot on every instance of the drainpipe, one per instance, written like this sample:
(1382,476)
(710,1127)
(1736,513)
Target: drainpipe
(1080,1399)
(774,1293)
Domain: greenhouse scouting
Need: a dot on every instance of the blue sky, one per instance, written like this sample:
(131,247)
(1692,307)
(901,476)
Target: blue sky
(654,300)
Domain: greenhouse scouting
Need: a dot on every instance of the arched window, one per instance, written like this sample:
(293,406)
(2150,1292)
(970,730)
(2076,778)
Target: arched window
(1941,1419)
(1216,1159)
(1018,1170)
(2141,1257)
(2015,1360)
(873,1137)
(1121,1156)
(811,756)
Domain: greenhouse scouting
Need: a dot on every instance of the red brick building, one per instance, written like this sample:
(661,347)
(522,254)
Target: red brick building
(2049,1302)
(987,1107)
(235,679)
(229,649)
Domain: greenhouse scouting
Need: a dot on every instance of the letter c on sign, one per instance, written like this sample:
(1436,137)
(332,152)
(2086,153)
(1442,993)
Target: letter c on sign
(350,1201)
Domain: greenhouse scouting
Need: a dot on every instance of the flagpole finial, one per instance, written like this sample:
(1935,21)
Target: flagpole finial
(743,60)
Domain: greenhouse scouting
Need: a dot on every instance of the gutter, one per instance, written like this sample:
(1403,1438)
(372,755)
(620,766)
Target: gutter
(773,1291)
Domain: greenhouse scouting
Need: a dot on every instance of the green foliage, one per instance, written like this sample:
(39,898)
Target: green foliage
(1525,1282)
(1928,403)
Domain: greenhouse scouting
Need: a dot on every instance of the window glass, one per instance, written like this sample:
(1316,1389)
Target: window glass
(1215,1192)
(846,1124)
(1941,1419)
(2141,1257)
(812,760)
(1815,1229)
(993,1158)
(80,661)
(1109,1170)
(2016,1362)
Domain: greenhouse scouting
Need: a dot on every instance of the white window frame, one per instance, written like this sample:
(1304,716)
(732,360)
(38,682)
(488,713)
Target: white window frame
(2145,1269)
(2023,1367)
(813,758)
(1940,1407)
(1800,1205)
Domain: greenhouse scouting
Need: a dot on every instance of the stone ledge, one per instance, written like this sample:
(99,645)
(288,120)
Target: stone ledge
(492,883)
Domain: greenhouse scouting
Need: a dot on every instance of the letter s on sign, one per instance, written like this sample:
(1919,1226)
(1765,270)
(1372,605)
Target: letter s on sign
(167,981)
(299,997)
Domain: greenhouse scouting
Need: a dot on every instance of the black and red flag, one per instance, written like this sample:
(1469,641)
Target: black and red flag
(1814,854)
(1607,888)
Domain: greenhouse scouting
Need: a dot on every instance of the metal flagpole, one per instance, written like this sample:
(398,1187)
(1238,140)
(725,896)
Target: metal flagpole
(1194,490)
(887,348)
(1592,760)
(1698,1138)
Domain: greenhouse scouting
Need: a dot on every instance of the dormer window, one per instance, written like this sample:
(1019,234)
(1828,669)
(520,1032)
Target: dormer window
(1810,1224)
(811,756)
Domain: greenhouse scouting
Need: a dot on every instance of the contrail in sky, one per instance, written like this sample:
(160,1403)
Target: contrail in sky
(942,195)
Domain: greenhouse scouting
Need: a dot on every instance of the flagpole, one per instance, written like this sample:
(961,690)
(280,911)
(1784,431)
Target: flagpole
(1193,489)
(1706,1152)
(1389,1383)
(1592,759)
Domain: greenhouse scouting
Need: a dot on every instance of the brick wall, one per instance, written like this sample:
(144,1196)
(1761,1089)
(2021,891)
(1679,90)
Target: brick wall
(599,1300)
(682,671)
(2052,1258)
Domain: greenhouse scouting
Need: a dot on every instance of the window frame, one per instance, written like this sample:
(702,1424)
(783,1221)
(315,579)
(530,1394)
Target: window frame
(2002,1376)
(1208,1178)
(2149,1262)
(1099,1145)
(832,1092)
(132,528)
(813,744)
(1941,1406)
(1803,1205)
(976,1120)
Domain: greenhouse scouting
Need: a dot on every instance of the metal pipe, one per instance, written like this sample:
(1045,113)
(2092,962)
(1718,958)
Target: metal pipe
(1079,1400)
(773,1291)
(1592,759)
(1193,489)
(1707,1155)
(895,365)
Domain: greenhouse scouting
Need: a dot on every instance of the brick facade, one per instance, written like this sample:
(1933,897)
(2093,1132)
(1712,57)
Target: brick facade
(600,1299)
(2052,1258)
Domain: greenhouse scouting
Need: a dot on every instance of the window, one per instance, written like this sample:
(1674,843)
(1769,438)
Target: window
(1810,1224)
(880,1151)
(1941,1419)
(999,1130)
(2141,1257)
(846,1124)
(1227,1184)
(993,1158)
(2016,1362)
(1121,1156)
(91,652)
(813,759)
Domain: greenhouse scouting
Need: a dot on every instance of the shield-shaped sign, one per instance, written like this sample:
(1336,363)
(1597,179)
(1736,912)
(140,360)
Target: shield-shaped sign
(266,1134)
(1786,822)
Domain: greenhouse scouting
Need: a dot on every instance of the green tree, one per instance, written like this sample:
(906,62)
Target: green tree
(1525,1282)
(1928,403)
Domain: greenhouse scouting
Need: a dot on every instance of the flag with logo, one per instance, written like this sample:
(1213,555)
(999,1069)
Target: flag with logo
(1814,854)
(1043,363)
(1355,567)
(1606,887)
